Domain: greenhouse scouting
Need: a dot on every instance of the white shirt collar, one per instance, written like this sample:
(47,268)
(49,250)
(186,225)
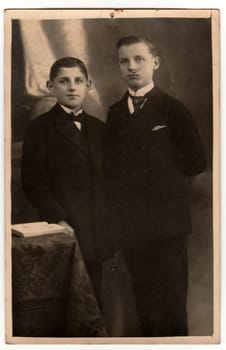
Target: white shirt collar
(69,110)
(144,90)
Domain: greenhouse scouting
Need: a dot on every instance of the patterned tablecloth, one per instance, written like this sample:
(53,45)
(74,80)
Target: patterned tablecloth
(52,293)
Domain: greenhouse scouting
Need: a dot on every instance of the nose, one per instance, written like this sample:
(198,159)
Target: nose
(132,65)
(72,86)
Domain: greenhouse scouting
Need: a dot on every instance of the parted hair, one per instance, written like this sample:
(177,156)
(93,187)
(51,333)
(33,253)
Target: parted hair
(134,39)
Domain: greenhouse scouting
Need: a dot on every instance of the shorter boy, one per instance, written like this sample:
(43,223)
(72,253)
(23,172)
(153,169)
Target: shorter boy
(61,160)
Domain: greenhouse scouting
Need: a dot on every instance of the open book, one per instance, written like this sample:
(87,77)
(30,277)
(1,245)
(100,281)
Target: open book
(32,229)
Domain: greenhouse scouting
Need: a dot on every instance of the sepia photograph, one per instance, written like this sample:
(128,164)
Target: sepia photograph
(112,176)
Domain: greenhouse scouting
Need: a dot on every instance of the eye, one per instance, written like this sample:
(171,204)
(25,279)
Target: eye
(123,61)
(63,81)
(139,59)
(79,80)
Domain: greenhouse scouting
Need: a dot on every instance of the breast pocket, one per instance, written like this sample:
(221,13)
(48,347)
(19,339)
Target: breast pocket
(160,148)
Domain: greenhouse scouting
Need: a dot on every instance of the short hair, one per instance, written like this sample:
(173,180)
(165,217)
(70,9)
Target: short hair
(67,62)
(134,39)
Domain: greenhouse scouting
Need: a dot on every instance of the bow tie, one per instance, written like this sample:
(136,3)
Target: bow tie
(76,118)
(137,102)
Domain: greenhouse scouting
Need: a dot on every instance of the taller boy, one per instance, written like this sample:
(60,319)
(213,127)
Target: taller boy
(61,160)
(151,145)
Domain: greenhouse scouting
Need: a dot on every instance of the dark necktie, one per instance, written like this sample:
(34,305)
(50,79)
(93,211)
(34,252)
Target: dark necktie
(137,102)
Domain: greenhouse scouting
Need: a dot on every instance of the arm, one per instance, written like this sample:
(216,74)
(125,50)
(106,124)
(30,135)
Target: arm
(109,243)
(109,146)
(191,154)
(34,175)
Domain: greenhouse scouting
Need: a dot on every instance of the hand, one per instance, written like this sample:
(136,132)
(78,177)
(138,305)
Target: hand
(68,229)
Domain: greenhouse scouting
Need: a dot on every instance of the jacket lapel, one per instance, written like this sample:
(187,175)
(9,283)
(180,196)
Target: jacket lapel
(152,110)
(155,102)
(124,110)
(68,130)
(131,127)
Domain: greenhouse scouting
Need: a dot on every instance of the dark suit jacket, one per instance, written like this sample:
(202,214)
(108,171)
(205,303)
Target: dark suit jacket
(60,172)
(146,158)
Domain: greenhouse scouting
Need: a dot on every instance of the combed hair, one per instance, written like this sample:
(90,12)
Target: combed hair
(134,39)
(67,62)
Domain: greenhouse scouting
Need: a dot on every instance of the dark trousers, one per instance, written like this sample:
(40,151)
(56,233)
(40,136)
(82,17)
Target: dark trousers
(159,277)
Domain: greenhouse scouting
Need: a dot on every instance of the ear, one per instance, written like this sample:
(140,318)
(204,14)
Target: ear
(156,62)
(49,85)
(89,84)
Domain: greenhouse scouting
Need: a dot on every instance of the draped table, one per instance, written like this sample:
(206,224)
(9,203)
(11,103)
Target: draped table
(52,293)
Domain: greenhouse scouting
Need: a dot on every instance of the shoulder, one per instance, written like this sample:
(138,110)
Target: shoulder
(94,125)
(178,115)
(116,109)
(38,127)
(176,104)
(43,119)
(174,109)
(118,104)
(114,106)
(165,100)
(94,120)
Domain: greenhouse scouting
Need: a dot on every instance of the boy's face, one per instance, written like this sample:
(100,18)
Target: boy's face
(70,87)
(137,65)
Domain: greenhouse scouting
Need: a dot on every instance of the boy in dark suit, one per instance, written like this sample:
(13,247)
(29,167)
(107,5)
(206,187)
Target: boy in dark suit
(61,160)
(151,145)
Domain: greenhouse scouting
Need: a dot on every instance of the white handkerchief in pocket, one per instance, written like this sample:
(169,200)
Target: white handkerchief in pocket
(158,127)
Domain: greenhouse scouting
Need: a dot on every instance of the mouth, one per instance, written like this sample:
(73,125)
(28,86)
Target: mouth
(133,76)
(72,95)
